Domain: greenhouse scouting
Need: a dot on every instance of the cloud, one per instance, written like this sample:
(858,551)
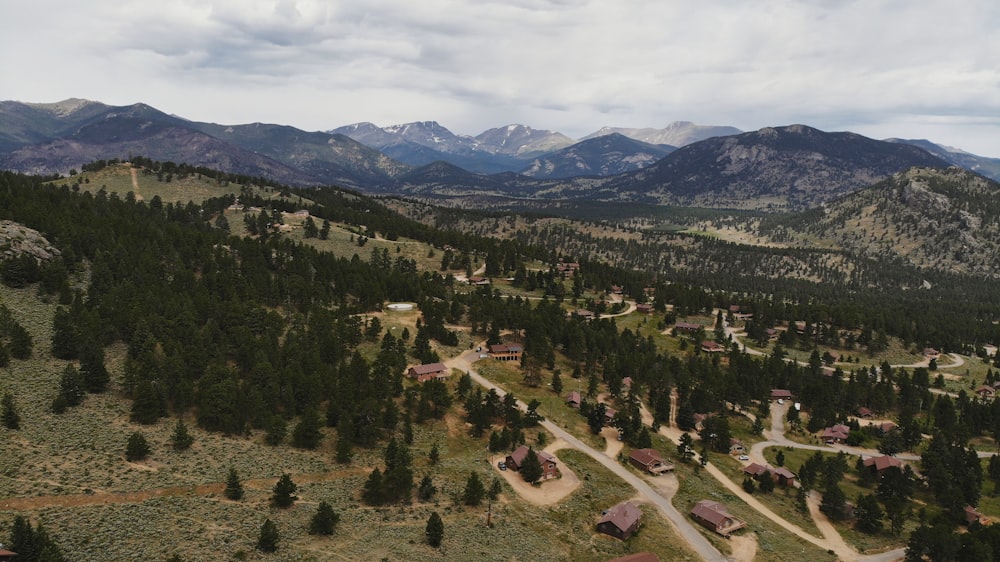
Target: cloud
(571,65)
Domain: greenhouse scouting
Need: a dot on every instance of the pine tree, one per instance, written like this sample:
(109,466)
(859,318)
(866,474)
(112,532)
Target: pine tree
(284,491)
(474,490)
(435,454)
(147,405)
(269,537)
(307,434)
(71,386)
(531,469)
(277,429)
(137,448)
(181,438)
(324,520)
(234,489)
(434,530)
(495,489)
(8,412)
(426,489)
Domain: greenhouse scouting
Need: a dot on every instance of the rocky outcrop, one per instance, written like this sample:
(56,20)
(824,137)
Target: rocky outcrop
(17,240)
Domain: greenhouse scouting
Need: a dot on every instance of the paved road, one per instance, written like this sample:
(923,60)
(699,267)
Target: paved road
(684,527)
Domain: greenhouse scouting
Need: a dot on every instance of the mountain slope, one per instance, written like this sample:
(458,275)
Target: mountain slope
(942,219)
(602,156)
(678,133)
(989,167)
(793,167)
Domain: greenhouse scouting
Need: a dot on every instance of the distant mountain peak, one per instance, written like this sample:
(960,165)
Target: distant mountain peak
(65,107)
(678,133)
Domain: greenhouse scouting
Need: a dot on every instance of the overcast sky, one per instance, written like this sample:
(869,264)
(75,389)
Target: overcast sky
(882,68)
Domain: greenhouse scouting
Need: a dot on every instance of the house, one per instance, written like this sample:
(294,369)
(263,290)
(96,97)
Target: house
(567,269)
(800,327)
(739,313)
(505,352)
(713,515)
(477,280)
(584,314)
(754,470)
(835,434)
(986,392)
(650,461)
(620,521)
(549,464)
(709,346)
(783,476)
(627,383)
(6,555)
(574,399)
(616,290)
(736,446)
(865,413)
(609,415)
(772,334)
(886,427)
(781,394)
(422,373)
(637,557)
(880,464)
(972,515)
(931,353)
(301,213)
(644,308)
(686,327)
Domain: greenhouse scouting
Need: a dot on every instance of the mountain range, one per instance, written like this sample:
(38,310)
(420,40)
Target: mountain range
(776,168)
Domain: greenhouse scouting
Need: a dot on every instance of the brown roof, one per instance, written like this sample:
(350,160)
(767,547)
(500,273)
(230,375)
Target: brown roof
(646,456)
(521,452)
(506,348)
(780,393)
(754,469)
(573,397)
(883,462)
(623,516)
(687,326)
(713,512)
(784,472)
(428,368)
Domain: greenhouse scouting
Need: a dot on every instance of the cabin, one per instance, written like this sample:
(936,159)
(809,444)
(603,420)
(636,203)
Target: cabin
(781,394)
(709,346)
(972,515)
(986,392)
(714,516)
(549,464)
(6,555)
(736,447)
(686,327)
(644,308)
(835,434)
(650,461)
(621,521)
(573,399)
(783,476)
(567,269)
(505,352)
(931,353)
(426,372)
(880,464)
(583,314)
(754,470)
(865,413)
(886,427)
(478,280)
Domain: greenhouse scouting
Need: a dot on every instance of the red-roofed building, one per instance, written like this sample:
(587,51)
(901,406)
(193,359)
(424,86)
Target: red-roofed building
(880,464)
(426,372)
(644,308)
(574,399)
(550,469)
(713,515)
(835,434)
(6,555)
(650,461)
(506,352)
(781,394)
(686,327)
(709,346)
(620,521)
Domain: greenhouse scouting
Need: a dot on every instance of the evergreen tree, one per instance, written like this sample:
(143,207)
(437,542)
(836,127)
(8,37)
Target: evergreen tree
(269,537)
(426,489)
(20,342)
(435,454)
(495,489)
(95,374)
(531,468)
(557,386)
(434,530)
(283,492)
(324,520)
(234,489)
(33,544)
(277,429)
(71,387)
(147,404)
(181,438)
(474,490)
(344,442)
(307,433)
(868,514)
(374,491)
(8,412)
(137,448)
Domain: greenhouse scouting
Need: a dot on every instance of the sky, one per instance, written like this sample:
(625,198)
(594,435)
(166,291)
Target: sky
(882,68)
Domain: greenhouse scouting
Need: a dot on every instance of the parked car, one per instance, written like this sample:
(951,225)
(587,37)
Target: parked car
(502,465)
(744,458)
